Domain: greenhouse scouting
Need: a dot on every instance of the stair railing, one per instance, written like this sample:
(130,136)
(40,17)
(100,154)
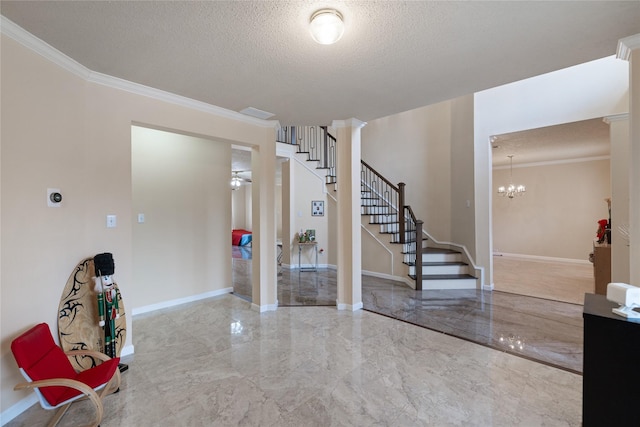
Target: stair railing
(414,228)
(316,142)
(393,203)
(283,134)
(330,155)
(383,190)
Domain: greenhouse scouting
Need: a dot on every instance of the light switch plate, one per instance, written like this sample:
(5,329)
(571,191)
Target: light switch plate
(111,221)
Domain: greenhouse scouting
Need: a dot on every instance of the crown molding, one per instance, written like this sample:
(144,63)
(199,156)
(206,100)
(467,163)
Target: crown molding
(172,98)
(25,38)
(554,162)
(626,45)
(615,118)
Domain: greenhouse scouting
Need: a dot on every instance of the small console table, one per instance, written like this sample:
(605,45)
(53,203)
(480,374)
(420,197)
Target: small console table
(313,245)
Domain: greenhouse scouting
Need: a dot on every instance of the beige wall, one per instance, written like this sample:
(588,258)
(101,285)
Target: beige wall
(463,176)
(621,157)
(180,183)
(546,221)
(43,145)
(241,207)
(59,130)
(307,186)
(278,200)
(414,147)
(288,231)
(330,256)
(634,171)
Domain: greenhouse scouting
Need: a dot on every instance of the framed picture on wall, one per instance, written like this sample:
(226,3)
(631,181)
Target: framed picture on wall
(317,208)
(311,235)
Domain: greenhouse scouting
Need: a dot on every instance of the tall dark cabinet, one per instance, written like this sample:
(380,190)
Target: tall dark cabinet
(611,368)
(602,267)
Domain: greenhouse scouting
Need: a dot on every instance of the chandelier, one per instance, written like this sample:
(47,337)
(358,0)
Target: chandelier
(511,190)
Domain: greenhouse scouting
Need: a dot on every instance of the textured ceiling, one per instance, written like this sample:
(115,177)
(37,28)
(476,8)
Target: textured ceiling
(394,55)
(241,162)
(584,139)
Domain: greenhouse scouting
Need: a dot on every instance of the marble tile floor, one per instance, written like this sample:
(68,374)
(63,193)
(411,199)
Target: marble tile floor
(217,362)
(549,331)
(546,331)
(294,287)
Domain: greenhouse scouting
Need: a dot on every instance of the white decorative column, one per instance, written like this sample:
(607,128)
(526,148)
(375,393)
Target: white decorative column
(288,215)
(264,259)
(629,50)
(349,249)
(619,142)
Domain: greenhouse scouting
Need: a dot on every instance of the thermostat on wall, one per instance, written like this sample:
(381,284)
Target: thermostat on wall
(54,197)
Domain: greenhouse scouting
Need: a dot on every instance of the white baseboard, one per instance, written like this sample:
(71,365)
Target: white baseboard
(320,266)
(308,266)
(264,308)
(349,307)
(488,287)
(179,301)
(127,350)
(542,258)
(18,408)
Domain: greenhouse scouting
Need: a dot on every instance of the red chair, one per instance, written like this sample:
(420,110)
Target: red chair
(50,374)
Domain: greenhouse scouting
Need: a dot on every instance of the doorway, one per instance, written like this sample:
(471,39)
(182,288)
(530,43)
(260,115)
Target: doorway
(180,185)
(542,236)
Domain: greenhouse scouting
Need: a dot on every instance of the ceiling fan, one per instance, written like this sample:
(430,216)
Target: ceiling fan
(237,180)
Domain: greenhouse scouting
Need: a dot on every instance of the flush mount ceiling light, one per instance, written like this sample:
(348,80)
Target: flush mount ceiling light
(326,26)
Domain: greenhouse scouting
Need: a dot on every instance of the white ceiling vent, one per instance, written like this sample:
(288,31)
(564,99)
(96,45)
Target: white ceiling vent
(254,112)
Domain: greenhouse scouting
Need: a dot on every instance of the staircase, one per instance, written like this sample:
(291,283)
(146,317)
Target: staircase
(439,268)
(444,269)
(383,206)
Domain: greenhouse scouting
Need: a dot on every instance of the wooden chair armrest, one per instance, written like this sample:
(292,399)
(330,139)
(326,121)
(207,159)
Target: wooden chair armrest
(63,382)
(66,382)
(92,353)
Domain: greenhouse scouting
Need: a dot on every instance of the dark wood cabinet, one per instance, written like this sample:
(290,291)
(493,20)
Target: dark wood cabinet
(602,267)
(611,366)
